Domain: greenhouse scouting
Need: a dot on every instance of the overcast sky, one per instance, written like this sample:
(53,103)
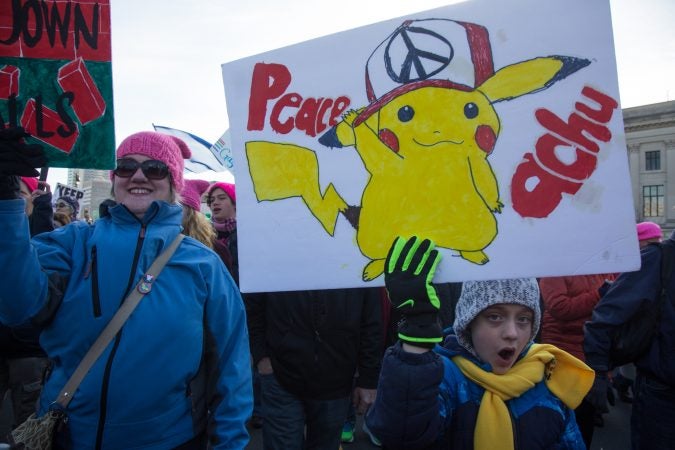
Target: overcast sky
(167,55)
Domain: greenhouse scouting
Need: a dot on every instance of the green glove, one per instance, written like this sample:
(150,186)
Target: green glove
(409,269)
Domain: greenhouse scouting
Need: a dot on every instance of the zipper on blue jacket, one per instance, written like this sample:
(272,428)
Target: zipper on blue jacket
(111,357)
(93,270)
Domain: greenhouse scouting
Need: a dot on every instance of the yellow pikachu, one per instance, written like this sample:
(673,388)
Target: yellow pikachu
(425,147)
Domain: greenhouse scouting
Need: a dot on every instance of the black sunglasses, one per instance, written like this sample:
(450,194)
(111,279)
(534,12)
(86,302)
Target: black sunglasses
(152,168)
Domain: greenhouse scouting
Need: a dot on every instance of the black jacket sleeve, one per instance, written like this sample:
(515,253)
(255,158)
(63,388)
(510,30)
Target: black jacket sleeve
(42,219)
(618,305)
(371,340)
(256,320)
(406,411)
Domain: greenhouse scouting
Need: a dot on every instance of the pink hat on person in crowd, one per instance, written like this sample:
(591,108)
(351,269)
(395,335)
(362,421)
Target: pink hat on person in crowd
(31,182)
(648,230)
(162,147)
(227,187)
(191,194)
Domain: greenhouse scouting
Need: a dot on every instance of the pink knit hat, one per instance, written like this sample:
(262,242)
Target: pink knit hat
(648,230)
(191,194)
(31,182)
(162,147)
(227,187)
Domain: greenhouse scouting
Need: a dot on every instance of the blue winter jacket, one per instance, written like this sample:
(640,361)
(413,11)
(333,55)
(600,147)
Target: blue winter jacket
(183,352)
(425,401)
(625,296)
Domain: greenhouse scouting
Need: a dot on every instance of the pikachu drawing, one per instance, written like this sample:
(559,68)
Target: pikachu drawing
(425,142)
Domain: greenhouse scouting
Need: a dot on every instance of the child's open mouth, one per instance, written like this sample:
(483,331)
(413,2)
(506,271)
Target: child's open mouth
(506,354)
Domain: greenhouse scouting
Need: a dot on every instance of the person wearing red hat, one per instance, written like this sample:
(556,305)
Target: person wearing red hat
(568,304)
(172,377)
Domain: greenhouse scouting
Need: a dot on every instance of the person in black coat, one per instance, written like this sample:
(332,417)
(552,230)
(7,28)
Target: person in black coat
(654,388)
(307,347)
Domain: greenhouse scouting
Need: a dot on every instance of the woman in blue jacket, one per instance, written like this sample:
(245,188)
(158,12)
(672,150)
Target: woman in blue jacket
(488,386)
(177,374)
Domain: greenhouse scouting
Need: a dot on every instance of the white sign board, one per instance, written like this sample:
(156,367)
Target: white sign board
(63,190)
(493,128)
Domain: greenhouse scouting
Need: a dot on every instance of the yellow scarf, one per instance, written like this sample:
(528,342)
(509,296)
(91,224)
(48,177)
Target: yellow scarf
(567,378)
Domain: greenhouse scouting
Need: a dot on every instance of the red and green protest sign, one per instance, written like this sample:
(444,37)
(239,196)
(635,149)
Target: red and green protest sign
(56,78)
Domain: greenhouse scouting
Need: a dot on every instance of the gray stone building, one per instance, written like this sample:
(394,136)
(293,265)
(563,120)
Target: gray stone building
(650,141)
(96,186)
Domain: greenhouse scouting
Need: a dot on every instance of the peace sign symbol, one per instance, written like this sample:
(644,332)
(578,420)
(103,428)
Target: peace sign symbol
(426,63)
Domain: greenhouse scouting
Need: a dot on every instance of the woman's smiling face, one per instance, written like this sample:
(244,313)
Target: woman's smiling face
(500,333)
(138,191)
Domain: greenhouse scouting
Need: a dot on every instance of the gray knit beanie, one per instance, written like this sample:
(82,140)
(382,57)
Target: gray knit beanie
(478,295)
(72,202)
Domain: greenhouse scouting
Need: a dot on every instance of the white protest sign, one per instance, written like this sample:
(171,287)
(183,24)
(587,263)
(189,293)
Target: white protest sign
(493,128)
(63,190)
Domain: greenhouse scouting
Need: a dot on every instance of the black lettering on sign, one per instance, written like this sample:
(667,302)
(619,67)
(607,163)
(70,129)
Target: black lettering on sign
(11,112)
(46,15)
(70,126)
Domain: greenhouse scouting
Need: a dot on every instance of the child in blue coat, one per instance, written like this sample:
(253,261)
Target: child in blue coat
(487,386)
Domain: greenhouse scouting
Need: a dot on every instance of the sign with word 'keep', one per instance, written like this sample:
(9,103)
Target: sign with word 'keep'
(492,128)
(63,190)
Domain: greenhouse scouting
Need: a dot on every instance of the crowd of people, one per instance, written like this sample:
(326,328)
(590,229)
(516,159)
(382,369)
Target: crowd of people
(516,363)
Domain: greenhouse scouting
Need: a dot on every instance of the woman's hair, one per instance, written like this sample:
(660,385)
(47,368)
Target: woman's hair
(196,225)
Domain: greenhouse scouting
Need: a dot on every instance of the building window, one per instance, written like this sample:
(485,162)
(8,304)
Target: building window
(653,201)
(653,160)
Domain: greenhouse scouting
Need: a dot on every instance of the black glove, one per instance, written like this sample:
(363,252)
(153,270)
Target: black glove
(408,272)
(9,187)
(597,396)
(17,157)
